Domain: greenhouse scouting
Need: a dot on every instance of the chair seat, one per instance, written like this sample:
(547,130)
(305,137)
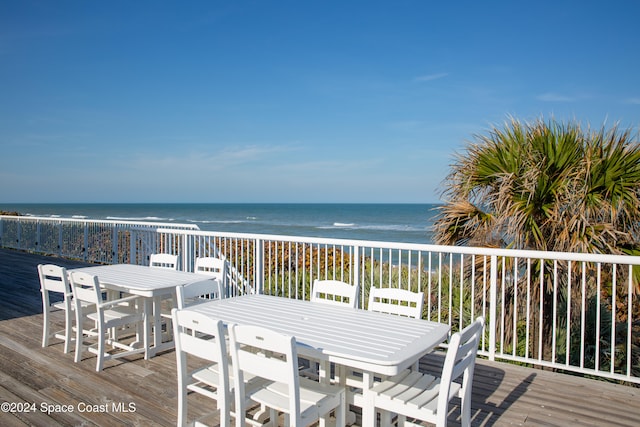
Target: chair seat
(59,305)
(118,315)
(208,375)
(416,392)
(206,381)
(315,399)
(208,378)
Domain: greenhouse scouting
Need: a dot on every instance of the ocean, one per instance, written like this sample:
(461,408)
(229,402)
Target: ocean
(405,223)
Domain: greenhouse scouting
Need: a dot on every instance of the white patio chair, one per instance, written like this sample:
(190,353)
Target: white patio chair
(401,302)
(198,292)
(170,262)
(424,397)
(163,261)
(270,355)
(203,337)
(335,292)
(54,279)
(214,267)
(110,314)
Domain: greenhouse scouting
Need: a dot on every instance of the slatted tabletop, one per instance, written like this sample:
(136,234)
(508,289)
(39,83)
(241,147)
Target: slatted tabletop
(142,280)
(360,339)
(150,283)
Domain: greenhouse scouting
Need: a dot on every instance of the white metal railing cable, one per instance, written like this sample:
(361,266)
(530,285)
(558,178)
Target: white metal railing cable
(567,311)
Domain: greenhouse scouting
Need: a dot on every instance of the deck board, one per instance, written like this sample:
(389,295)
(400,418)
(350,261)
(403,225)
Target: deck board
(503,394)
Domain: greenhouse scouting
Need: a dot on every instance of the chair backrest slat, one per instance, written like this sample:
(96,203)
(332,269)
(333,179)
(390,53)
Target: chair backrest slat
(211,266)
(401,302)
(167,261)
(335,292)
(86,287)
(207,343)
(205,289)
(54,278)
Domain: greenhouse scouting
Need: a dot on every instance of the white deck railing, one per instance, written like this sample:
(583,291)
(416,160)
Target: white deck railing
(570,312)
(101,241)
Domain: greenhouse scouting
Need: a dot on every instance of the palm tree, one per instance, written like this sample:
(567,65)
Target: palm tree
(545,186)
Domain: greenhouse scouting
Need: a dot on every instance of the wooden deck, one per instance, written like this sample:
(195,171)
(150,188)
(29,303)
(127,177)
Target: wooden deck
(135,392)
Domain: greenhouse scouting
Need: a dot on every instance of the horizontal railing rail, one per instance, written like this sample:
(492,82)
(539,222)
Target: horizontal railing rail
(566,311)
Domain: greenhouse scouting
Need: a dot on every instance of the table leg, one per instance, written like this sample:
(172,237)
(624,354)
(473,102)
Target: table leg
(148,309)
(157,324)
(368,411)
(324,377)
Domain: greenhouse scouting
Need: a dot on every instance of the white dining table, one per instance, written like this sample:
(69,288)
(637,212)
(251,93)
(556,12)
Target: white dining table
(153,284)
(374,343)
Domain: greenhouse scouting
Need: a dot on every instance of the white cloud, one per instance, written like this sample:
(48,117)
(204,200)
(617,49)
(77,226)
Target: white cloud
(194,159)
(555,97)
(253,152)
(429,77)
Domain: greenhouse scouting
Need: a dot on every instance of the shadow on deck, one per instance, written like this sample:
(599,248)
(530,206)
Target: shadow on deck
(140,392)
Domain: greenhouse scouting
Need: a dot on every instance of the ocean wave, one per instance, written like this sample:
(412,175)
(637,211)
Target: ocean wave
(78,216)
(215,221)
(145,218)
(44,216)
(373,227)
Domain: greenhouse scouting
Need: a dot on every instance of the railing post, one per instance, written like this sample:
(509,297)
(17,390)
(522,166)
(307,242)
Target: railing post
(36,244)
(114,246)
(186,253)
(493,304)
(133,257)
(85,249)
(355,268)
(19,234)
(60,241)
(259,266)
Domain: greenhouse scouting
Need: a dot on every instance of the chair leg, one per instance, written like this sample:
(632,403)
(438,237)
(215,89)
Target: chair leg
(385,419)
(79,336)
(68,330)
(341,412)
(182,406)
(101,346)
(45,327)
(465,407)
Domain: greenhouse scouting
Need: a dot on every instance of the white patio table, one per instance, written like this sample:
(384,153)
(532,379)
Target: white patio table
(374,343)
(151,283)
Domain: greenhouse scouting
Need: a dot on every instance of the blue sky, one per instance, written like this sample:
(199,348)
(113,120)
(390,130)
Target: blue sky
(290,101)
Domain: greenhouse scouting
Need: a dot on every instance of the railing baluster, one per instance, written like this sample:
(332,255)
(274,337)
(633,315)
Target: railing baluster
(493,309)
(630,295)
(259,266)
